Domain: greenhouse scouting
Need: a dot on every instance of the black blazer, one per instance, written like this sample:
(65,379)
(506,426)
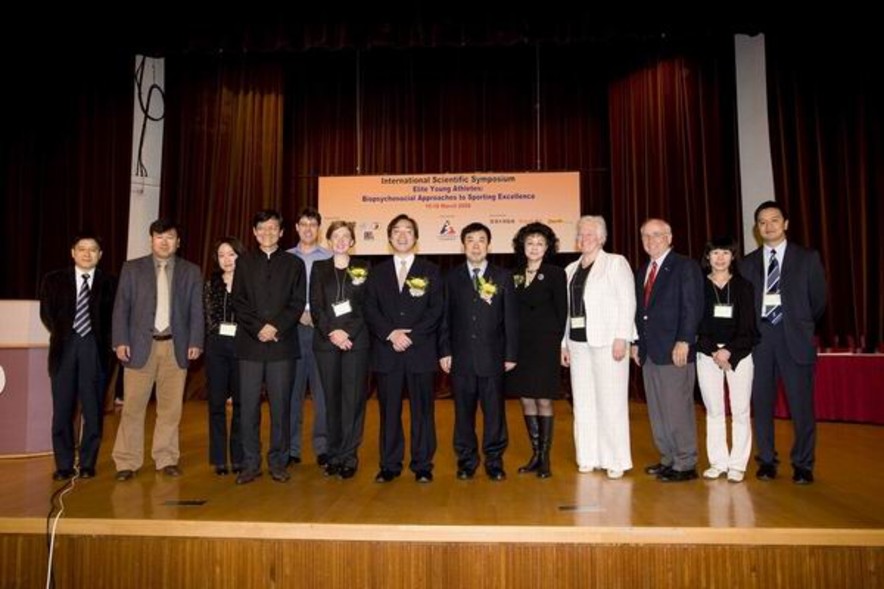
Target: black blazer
(268,290)
(58,304)
(479,335)
(387,309)
(803,296)
(325,288)
(674,309)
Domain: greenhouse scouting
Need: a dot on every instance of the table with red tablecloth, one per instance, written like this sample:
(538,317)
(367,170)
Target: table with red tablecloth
(847,387)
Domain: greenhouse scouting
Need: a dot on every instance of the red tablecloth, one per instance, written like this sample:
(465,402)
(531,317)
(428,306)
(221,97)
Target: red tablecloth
(848,387)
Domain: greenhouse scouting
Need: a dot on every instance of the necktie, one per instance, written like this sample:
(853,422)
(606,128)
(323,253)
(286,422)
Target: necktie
(161,320)
(476,279)
(649,283)
(402,274)
(773,313)
(82,323)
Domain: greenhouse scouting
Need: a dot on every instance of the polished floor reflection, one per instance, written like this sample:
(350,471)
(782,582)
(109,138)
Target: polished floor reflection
(848,494)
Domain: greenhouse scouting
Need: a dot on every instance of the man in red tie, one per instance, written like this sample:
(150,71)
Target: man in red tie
(669,296)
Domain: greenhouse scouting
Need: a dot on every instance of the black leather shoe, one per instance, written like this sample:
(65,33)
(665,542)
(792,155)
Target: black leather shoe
(332,470)
(677,476)
(496,474)
(802,476)
(236,468)
(221,470)
(125,475)
(766,472)
(172,471)
(247,476)
(293,460)
(347,472)
(280,474)
(465,474)
(63,474)
(87,472)
(322,459)
(385,476)
(657,469)
(423,476)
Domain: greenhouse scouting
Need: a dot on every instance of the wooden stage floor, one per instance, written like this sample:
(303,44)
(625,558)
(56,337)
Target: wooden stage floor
(845,507)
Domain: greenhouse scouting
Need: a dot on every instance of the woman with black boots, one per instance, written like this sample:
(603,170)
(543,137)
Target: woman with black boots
(543,309)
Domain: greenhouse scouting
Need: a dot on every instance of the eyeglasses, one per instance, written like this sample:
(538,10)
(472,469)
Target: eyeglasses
(655,235)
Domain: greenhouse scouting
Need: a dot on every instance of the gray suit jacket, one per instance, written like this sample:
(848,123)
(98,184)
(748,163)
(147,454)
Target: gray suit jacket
(136,303)
(803,291)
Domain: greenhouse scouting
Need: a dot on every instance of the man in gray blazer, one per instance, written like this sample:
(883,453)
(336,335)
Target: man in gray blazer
(157,330)
(790,297)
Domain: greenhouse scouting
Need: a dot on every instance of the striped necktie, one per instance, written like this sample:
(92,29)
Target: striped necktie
(773,314)
(82,323)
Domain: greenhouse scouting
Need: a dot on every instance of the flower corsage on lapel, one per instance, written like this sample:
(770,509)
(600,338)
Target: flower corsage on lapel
(487,289)
(518,280)
(358,275)
(417,285)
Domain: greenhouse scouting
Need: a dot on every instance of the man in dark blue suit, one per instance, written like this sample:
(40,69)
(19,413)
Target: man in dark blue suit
(75,306)
(479,342)
(669,306)
(790,297)
(403,308)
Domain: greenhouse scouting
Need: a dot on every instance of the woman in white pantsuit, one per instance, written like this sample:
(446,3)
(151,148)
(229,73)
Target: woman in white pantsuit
(601,323)
(725,339)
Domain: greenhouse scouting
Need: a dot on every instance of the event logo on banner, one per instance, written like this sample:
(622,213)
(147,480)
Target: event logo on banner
(442,204)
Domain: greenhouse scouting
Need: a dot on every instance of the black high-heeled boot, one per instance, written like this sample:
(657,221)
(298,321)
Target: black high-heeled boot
(546,436)
(533,435)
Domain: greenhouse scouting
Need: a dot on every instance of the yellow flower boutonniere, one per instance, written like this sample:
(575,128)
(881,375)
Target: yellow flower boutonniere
(417,285)
(357,274)
(487,289)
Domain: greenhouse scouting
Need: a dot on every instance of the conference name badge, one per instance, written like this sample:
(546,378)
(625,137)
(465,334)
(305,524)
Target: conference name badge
(227,329)
(578,322)
(723,311)
(772,299)
(342,308)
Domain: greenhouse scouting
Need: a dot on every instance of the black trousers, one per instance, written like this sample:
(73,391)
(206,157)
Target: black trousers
(772,362)
(344,377)
(80,378)
(469,392)
(423,420)
(222,373)
(277,376)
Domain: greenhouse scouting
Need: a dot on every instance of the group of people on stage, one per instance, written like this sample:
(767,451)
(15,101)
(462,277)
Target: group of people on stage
(275,321)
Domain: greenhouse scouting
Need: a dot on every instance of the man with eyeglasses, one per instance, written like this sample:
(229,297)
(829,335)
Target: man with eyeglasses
(306,371)
(669,306)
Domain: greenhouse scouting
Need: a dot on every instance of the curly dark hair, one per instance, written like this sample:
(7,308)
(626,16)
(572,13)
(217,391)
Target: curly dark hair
(536,228)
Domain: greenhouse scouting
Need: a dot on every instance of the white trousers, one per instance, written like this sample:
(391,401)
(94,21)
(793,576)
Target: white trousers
(600,389)
(739,382)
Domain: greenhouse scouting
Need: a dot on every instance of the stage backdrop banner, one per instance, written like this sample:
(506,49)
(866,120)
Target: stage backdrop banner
(442,204)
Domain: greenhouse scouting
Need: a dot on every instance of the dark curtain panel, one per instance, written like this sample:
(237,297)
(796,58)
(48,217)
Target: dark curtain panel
(827,139)
(222,156)
(65,153)
(673,145)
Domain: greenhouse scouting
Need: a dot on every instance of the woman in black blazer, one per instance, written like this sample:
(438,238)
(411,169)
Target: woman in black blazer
(222,374)
(341,344)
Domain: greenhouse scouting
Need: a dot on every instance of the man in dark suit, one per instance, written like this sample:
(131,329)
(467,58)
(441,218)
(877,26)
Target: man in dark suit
(269,295)
(158,328)
(479,341)
(75,306)
(669,306)
(403,309)
(790,297)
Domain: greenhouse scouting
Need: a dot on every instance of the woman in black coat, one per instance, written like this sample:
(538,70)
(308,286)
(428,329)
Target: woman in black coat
(341,345)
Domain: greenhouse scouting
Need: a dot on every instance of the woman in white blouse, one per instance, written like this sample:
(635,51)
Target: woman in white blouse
(601,323)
